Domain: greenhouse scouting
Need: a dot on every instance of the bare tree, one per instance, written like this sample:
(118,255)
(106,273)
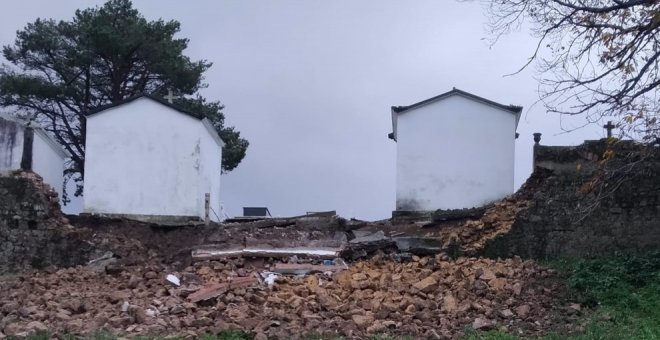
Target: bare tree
(597,58)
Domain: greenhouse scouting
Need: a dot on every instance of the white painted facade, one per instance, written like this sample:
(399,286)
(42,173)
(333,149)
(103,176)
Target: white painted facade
(454,151)
(47,156)
(147,158)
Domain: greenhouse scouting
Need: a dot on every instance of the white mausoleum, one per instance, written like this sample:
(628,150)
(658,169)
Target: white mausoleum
(27,147)
(148,159)
(454,151)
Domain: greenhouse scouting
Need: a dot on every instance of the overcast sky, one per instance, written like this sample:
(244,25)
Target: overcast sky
(310,84)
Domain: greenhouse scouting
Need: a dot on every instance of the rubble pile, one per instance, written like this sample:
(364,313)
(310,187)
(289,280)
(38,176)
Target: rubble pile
(427,297)
(48,195)
(470,237)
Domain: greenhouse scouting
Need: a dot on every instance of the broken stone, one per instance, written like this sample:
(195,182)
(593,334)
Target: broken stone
(507,313)
(522,310)
(482,324)
(449,303)
(139,314)
(517,288)
(359,277)
(497,283)
(427,285)
(133,282)
(363,321)
(485,274)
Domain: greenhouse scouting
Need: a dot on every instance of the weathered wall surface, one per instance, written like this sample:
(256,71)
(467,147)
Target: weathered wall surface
(33,234)
(11,145)
(565,218)
(443,162)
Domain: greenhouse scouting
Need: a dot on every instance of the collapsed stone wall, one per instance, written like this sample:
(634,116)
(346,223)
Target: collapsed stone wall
(593,200)
(33,232)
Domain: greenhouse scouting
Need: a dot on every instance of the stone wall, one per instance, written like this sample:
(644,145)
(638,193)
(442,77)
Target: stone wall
(574,213)
(33,233)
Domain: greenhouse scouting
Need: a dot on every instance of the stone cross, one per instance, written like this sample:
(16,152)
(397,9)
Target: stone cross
(170,96)
(609,127)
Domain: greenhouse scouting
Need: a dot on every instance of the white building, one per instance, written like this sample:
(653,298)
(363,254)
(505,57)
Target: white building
(454,151)
(23,147)
(148,159)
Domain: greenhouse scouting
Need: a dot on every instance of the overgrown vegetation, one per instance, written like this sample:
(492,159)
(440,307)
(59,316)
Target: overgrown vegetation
(623,292)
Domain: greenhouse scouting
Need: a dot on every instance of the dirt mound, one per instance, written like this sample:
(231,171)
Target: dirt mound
(429,297)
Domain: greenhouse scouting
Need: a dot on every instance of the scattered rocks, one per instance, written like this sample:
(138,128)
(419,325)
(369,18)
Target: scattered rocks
(428,297)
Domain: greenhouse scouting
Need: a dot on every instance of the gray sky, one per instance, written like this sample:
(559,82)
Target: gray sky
(310,84)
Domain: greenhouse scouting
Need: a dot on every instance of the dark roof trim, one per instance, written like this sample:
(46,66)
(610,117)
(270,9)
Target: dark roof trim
(150,96)
(511,108)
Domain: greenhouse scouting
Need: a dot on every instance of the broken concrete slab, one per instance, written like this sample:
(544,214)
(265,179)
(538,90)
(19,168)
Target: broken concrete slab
(365,242)
(304,269)
(418,245)
(367,236)
(211,254)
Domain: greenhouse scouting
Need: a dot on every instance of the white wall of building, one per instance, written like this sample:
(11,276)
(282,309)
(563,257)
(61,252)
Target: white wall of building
(209,172)
(48,161)
(454,153)
(144,158)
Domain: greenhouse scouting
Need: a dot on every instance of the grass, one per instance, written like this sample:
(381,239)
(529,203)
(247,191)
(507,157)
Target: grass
(623,292)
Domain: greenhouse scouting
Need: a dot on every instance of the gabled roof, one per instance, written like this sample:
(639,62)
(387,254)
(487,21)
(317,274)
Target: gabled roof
(162,101)
(396,110)
(455,91)
(150,96)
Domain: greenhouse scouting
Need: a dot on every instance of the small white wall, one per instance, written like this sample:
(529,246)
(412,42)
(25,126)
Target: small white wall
(48,162)
(454,153)
(144,158)
(11,145)
(209,173)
